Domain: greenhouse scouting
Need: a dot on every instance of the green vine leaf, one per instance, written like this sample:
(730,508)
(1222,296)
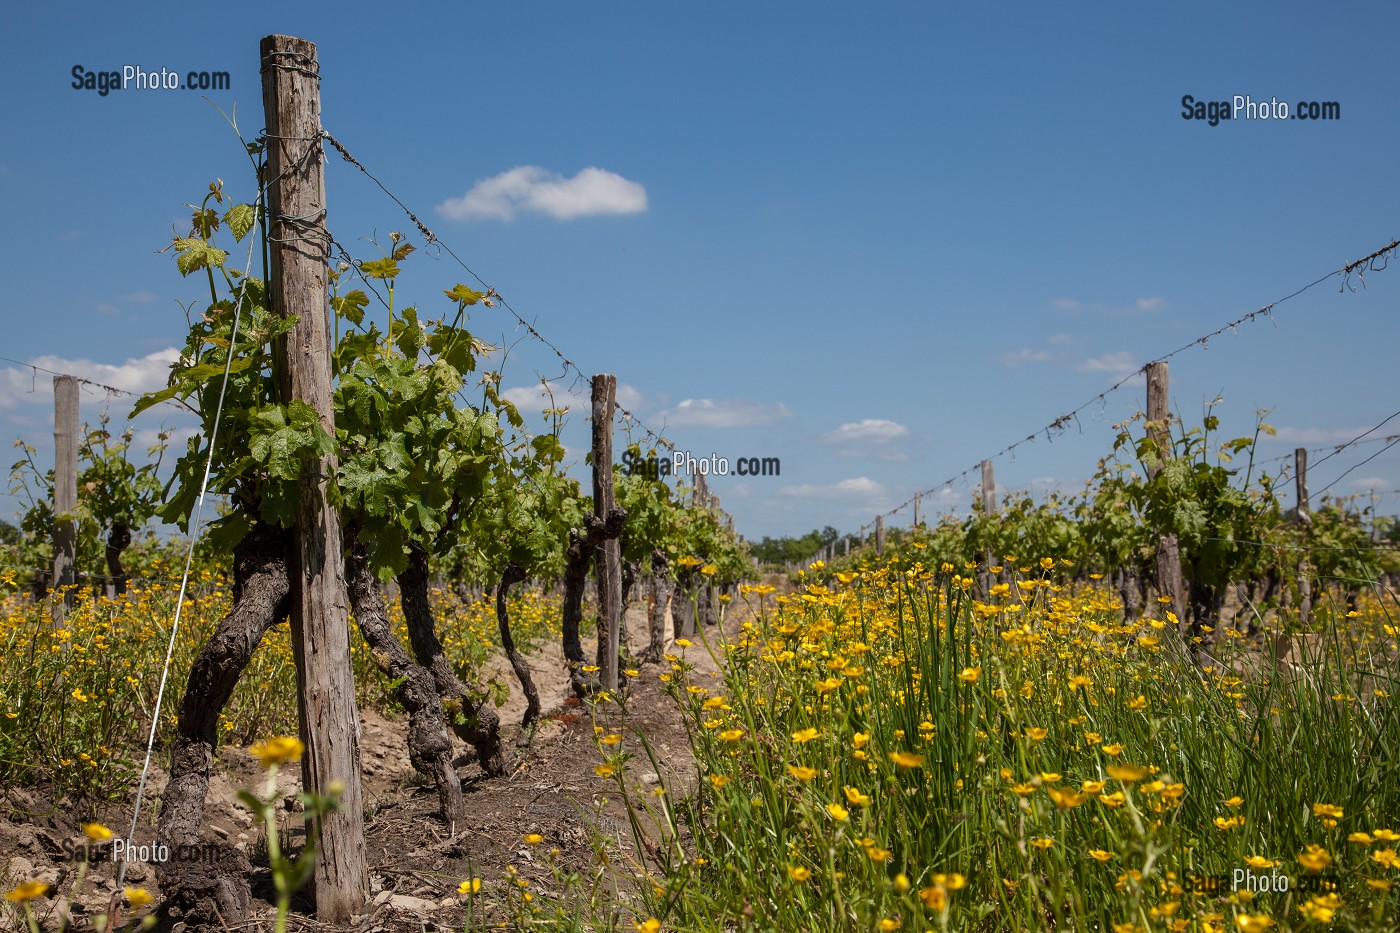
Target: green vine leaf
(460,293)
(240,219)
(351,306)
(380,269)
(194,253)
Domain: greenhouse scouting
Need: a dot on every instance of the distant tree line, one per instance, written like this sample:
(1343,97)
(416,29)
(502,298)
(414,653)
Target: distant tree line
(787,549)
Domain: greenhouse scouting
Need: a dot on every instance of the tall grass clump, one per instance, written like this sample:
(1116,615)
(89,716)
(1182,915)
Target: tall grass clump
(77,696)
(890,752)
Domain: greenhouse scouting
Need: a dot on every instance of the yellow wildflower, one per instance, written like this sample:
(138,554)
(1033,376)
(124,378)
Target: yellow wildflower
(278,751)
(28,891)
(1315,858)
(96,832)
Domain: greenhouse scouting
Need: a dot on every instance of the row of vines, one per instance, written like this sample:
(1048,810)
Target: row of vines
(1233,530)
(439,483)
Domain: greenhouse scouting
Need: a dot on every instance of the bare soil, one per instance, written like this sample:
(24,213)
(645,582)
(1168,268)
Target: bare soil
(416,861)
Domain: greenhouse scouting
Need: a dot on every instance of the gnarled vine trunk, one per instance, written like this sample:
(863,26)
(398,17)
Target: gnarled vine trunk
(683,605)
(705,600)
(1130,592)
(629,580)
(470,716)
(118,540)
(576,562)
(1206,603)
(661,600)
(511,575)
(429,741)
(261,590)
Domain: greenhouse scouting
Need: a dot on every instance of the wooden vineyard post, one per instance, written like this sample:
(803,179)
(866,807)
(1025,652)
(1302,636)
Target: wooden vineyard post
(299,247)
(1304,512)
(989,507)
(916,511)
(609,553)
(65,491)
(1169,582)
(847,551)
(879,534)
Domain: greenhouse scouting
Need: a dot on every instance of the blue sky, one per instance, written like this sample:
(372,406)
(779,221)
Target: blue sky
(877,241)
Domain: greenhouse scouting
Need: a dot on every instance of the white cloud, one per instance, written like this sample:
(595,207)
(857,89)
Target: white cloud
(629,397)
(1023,355)
(948,496)
(531,400)
(1317,435)
(875,451)
(868,430)
(1146,305)
(574,395)
(140,374)
(1372,482)
(146,438)
(861,487)
(141,298)
(1116,364)
(725,413)
(531,189)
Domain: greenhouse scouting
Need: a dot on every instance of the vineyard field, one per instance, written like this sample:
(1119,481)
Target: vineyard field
(874,746)
(347,587)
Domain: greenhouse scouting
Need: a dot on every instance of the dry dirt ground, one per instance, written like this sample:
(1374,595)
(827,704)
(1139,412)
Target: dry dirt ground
(416,863)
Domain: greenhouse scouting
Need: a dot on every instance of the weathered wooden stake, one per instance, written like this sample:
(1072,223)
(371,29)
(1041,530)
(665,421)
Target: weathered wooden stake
(1169,582)
(65,491)
(1158,410)
(916,509)
(989,507)
(879,534)
(609,555)
(1304,512)
(299,246)
(1300,480)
